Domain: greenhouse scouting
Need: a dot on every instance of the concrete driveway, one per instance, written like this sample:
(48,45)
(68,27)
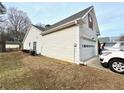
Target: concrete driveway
(95,63)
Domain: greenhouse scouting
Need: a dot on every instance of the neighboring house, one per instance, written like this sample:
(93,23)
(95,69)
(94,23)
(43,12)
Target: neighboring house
(109,41)
(103,39)
(73,39)
(12,45)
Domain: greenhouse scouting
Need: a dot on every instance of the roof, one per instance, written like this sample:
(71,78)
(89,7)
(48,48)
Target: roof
(40,28)
(108,39)
(2,9)
(104,39)
(70,21)
(71,18)
(12,42)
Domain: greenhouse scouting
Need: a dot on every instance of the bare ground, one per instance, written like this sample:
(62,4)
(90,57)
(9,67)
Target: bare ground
(39,72)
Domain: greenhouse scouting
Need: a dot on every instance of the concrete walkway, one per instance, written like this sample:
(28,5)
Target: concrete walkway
(95,63)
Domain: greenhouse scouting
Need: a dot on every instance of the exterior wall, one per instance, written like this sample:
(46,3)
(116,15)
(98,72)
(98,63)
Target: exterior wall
(86,33)
(33,36)
(60,44)
(12,45)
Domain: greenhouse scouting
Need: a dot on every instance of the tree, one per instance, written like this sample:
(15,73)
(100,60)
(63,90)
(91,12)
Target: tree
(3,23)
(48,25)
(2,19)
(2,38)
(40,25)
(19,23)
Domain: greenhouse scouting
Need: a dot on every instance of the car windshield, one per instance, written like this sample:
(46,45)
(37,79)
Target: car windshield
(117,45)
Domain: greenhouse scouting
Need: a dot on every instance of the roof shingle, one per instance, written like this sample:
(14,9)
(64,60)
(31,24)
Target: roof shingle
(71,18)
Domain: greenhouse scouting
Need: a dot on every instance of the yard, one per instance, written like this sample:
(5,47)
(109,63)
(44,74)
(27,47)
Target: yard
(22,71)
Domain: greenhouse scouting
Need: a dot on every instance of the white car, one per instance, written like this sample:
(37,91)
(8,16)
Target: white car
(119,45)
(113,58)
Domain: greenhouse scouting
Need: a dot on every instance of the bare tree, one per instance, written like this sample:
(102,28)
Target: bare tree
(2,19)
(3,23)
(19,23)
(2,38)
(40,25)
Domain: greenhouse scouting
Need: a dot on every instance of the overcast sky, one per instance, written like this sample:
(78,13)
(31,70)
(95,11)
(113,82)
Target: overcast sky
(110,16)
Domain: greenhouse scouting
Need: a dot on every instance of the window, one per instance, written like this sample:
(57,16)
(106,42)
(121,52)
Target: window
(34,46)
(90,21)
(29,44)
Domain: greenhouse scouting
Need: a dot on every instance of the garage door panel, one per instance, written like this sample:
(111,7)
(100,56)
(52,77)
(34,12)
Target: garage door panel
(87,49)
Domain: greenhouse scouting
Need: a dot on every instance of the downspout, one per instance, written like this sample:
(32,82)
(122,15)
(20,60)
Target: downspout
(76,45)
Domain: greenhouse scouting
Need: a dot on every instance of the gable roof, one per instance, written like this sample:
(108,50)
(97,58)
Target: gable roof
(12,42)
(71,18)
(37,27)
(70,21)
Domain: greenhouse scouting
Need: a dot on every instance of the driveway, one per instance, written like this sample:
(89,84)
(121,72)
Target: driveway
(95,63)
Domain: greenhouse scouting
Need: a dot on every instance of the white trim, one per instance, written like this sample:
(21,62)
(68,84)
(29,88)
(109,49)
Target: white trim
(78,45)
(87,13)
(58,27)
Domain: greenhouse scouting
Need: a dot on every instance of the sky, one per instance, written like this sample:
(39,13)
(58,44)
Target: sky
(110,16)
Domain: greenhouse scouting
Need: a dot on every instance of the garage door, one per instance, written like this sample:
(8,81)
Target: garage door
(87,49)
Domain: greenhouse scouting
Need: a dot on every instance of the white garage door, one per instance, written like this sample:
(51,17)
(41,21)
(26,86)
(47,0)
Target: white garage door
(87,49)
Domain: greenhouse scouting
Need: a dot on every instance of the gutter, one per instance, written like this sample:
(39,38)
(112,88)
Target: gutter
(69,24)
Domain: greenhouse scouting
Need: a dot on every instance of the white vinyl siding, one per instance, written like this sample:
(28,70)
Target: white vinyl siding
(88,39)
(60,44)
(34,35)
(12,46)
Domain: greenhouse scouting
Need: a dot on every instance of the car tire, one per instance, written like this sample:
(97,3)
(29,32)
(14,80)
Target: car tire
(117,65)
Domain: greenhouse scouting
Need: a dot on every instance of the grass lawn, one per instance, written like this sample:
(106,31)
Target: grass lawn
(22,71)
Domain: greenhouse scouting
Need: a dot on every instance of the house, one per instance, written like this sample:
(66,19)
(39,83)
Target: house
(109,41)
(12,45)
(33,37)
(73,39)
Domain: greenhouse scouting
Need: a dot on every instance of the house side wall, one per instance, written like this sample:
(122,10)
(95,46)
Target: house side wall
(33,36)
(60,44)
(12,45)
(88,36)
(87,32)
